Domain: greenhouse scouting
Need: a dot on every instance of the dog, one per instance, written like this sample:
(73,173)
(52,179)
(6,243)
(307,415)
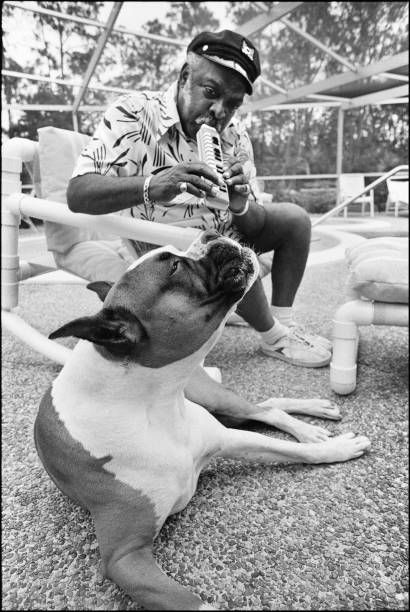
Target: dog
(127,425)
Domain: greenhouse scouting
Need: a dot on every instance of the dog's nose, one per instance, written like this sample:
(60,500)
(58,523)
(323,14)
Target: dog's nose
(209,235)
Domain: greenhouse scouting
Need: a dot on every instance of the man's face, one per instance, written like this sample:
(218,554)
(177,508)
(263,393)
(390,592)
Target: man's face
(209,94)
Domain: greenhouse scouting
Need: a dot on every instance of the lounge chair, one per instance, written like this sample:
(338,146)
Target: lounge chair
(351,184)
(379,286)
(398,194)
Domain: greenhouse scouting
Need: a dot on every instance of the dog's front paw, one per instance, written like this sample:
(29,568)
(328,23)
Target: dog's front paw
(305,432)
(321,408)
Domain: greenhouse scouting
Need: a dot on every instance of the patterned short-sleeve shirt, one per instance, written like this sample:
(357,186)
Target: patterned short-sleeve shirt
(141,134)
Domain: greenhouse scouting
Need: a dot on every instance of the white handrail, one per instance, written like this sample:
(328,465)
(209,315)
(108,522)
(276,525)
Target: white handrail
(126,227)
(372,185)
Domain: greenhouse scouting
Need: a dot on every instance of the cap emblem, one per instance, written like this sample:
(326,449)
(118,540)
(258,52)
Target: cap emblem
(248,51)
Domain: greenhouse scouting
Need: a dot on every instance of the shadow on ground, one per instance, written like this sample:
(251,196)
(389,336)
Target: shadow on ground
(253,537)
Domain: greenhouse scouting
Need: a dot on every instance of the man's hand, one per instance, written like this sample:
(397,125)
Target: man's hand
(237,183)
(199,178)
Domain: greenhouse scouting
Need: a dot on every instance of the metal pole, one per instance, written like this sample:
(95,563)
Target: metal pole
(339,153)
(97,54)
(75,122)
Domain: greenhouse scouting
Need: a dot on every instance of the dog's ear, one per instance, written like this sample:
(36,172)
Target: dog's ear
(116,330)
(101,288)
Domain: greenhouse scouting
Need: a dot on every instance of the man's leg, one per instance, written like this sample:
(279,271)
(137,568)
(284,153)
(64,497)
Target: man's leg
(287,231)
(95,260)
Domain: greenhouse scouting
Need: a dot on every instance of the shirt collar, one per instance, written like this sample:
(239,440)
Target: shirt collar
(169,113)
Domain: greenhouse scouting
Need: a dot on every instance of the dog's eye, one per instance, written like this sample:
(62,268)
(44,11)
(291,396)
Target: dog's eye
(174,266)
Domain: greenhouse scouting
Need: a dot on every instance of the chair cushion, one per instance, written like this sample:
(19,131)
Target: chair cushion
(58,153)
(379,269)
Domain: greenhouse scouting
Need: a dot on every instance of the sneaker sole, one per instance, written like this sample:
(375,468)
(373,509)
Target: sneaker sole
(236,321)
(295,362)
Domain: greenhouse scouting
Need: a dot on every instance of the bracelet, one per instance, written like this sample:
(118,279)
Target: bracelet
(243,211)
(147,200)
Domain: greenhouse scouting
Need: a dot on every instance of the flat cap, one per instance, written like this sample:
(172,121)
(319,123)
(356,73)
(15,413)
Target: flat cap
(231,50)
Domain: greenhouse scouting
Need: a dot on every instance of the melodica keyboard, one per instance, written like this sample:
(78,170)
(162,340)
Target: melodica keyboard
(210,152)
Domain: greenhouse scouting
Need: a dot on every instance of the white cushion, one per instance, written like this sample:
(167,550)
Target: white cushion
(379,269)
(58,153)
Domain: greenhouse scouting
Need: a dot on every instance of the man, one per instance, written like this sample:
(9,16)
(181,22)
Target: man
(143,159)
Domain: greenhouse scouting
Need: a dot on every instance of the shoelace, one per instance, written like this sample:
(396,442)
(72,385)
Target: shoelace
(299,336)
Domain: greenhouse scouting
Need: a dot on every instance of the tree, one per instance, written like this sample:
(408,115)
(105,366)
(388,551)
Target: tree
(285,142)
(152,65)
(62,50)
(375,137)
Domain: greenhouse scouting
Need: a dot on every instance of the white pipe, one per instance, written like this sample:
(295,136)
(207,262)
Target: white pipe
(20,148)
(126,227)
(9,258)
(359,312)
(27,334)
(343,366)
(391,314)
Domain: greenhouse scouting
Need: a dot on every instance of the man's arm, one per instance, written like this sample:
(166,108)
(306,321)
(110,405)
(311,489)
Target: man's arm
(95,194)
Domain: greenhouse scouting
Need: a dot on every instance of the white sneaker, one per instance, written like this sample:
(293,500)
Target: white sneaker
(297,350)
(312,338)
(236,320)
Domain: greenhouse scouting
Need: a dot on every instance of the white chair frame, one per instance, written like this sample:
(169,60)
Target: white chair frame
(361,199)
(348,318)
(14,204)
(397,194)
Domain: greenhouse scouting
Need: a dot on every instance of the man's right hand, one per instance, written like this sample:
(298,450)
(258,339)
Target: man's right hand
(199,178)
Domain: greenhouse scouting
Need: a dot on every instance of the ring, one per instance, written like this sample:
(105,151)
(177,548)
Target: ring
(183,187)
(247,190)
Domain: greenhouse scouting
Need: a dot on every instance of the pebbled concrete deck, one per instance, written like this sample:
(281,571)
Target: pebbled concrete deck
(254,537)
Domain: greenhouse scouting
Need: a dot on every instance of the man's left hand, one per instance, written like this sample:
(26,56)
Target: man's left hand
(237,183)
(235,178)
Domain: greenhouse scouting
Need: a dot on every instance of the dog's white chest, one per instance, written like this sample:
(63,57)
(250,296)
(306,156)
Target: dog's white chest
(150,442)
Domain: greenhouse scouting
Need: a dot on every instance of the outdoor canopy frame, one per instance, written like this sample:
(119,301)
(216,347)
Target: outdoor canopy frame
(379,83)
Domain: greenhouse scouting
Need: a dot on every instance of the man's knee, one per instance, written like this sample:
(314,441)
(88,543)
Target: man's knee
(293,219)
(94,260)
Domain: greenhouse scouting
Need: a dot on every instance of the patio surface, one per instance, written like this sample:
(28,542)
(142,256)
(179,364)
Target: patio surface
(253,537)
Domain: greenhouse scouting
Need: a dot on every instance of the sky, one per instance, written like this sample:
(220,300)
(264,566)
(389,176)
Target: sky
(135,14)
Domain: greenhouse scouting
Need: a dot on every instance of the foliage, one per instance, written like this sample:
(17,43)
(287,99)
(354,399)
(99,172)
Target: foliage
(152,65)
(62,49)
(303,141)
(315,201)
(286,142)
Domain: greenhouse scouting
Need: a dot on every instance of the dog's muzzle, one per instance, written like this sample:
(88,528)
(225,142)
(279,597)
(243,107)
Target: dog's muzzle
(234,268)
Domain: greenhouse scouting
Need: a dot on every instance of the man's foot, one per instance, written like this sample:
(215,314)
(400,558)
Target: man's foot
(312,338)
(236,320)
(296,349)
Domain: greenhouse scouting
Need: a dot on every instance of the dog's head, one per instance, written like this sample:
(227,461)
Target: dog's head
(169,303)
